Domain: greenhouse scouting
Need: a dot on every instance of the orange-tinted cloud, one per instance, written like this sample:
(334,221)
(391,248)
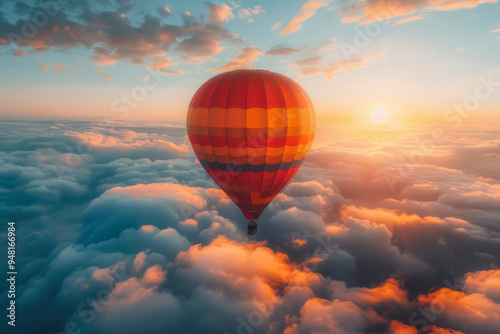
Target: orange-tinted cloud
(276,25)
(307,11)
(104,60)
(322,316)
(397,327)
(375,10)
(281,50)
(330,70)
(105,76)
(154,275)
(125,140)
(460,4)
(389,292)
(220,13)
(20,53)
(58,67)
(247,55)
(486,282)
(439,330)
(408,19)
(160,63)
(299,242)
(474,313)
(113,37)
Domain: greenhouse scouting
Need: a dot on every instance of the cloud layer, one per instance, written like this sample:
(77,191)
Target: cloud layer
(123,231)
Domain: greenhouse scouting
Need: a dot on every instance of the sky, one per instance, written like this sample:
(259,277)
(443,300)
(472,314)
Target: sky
(415,59)
(390,226)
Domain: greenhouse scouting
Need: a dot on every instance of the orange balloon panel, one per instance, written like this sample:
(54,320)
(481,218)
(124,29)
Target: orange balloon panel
(251,130)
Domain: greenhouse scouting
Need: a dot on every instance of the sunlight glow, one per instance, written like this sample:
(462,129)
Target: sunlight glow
(379,116)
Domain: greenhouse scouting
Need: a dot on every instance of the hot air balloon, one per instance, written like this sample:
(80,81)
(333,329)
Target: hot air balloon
(251,130)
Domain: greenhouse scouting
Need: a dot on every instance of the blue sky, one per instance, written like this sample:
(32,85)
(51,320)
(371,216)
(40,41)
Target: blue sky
(417,67)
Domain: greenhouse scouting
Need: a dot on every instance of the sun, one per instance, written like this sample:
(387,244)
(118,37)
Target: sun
(379,116)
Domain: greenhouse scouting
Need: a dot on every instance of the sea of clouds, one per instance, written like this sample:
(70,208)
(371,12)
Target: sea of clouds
(120,230)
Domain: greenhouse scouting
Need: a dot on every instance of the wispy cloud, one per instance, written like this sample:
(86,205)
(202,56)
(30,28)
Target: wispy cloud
(276,25)
(246,56)
(408,19)
(375,10)
(307,11)
(282,50)
(331,69)
(105,76)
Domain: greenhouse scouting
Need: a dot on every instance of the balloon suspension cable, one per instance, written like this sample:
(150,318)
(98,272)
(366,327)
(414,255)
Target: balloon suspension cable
(252,227)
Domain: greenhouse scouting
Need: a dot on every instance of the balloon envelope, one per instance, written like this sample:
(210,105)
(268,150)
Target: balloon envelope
(251,130)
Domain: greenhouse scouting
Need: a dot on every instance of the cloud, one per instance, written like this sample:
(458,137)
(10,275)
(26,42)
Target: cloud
(105,76)
(123,231)
(310,61)
(248,13)
(307,11)
(203,41)
(468,313)
(375,10)
(165,11)
(220,13)
(160,63)
(113,36)
(331,69)
(322,316)
(276,25)
(467,4)
(174,72)
(408,19)
(282,50)
(246,56)
(486,282)
(58,67)
(397,327)
(20,53)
